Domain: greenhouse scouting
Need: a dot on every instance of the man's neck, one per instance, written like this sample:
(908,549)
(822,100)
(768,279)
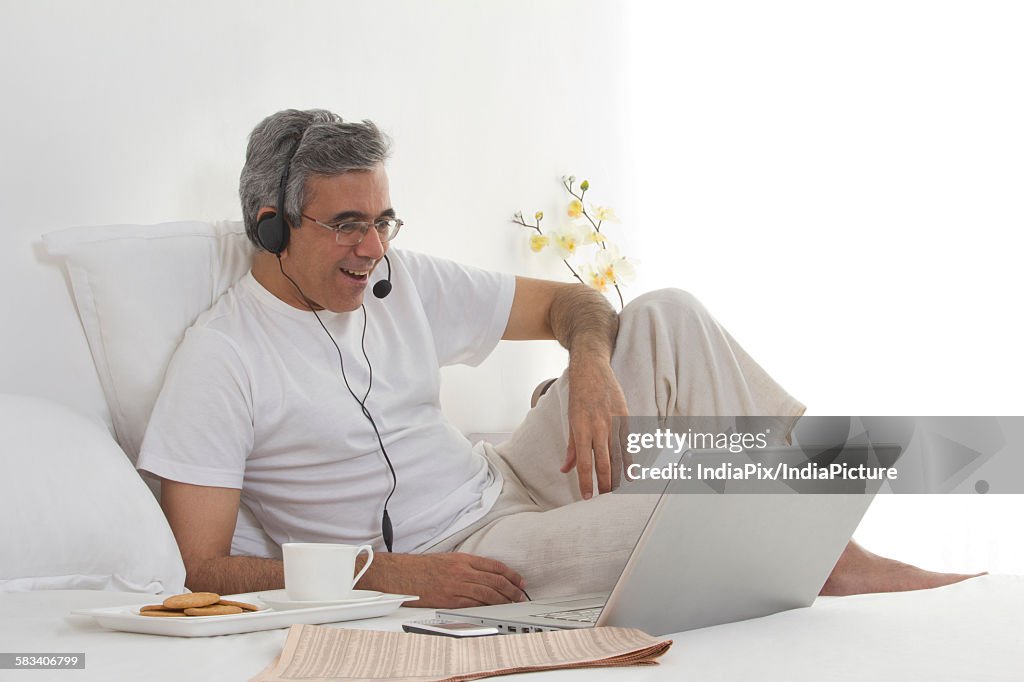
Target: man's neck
(267,271)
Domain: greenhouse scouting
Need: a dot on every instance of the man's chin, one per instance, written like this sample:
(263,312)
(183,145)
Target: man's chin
(345,306)
(344,295)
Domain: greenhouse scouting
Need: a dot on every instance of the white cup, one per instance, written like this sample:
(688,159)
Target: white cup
(320,571)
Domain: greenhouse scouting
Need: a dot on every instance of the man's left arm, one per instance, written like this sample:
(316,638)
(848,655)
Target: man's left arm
(583,321)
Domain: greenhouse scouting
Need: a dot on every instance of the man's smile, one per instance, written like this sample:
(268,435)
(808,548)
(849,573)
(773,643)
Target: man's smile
(358,275)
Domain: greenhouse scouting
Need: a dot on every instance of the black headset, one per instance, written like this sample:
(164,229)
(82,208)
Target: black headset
(272,232)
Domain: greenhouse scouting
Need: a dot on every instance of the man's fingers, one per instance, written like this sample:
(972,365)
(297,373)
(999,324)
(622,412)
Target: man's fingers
(494,566)
(463,603)
(602,461)
(627,458)
(499,582)
(615,455)
(619,456)
(585,464)
(484,594)
(458,579)
(570,457)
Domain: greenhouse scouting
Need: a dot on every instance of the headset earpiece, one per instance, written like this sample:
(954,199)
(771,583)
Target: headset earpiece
(272,233)
(272,230)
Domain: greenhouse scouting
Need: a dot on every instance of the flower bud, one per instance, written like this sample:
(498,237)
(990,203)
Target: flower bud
(585,185)
(538,242)
(539,215)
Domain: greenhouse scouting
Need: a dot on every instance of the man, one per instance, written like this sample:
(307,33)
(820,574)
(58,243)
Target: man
(272,398)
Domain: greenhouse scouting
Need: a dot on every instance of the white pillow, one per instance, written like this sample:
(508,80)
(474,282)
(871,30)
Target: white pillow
(76,514)
(138,288)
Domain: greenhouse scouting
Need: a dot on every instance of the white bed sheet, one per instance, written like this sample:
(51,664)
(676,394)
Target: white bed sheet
(969,631)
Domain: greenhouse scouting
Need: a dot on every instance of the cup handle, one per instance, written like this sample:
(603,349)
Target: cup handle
(369,560)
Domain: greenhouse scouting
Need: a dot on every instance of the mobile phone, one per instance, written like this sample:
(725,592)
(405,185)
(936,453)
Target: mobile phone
(449,628)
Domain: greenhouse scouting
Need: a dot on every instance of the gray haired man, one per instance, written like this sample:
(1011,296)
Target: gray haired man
(319,405)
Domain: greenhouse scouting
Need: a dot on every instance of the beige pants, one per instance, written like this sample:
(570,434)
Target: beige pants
(672,359)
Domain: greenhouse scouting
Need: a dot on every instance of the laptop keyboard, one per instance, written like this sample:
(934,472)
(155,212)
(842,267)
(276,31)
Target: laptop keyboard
(577,615)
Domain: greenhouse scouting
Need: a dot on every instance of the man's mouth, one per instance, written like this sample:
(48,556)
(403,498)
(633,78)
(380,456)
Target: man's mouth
(357,275)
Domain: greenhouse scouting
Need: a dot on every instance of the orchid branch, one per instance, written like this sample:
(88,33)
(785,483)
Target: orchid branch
(608,267)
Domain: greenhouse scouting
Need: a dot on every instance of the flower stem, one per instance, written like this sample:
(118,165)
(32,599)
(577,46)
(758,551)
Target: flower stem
(525,224)
(574,273)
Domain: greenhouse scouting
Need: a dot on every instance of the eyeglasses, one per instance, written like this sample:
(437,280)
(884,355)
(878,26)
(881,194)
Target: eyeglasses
(350,234)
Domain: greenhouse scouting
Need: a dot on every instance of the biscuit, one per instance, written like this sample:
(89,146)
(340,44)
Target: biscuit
(152,607)
(191,600)
(213,610)
(240,604)
(163,613)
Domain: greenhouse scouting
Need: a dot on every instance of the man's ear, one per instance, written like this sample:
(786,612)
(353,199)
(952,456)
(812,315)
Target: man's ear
(262,213)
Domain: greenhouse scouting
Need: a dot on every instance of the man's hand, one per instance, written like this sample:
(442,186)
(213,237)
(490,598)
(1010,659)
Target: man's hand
(595,396)
(451,580)
(586,325)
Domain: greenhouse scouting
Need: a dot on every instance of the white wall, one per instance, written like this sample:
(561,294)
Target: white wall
(120,111)
(841,184)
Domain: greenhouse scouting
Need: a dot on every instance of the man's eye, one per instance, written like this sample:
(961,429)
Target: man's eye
(348,228)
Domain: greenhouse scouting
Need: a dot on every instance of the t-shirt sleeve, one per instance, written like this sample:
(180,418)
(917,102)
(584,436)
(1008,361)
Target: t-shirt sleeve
(201,429)
(467,307)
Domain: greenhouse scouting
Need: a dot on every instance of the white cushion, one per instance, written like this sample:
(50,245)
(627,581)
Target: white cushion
(76,514)
(138,288)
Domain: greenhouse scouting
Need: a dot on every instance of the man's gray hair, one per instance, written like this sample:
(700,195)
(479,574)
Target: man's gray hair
(327,145)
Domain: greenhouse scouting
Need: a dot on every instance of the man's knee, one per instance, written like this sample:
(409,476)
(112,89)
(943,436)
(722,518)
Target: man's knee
(670,304)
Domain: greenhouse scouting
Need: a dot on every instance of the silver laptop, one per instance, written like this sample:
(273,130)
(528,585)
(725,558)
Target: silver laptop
(707,559)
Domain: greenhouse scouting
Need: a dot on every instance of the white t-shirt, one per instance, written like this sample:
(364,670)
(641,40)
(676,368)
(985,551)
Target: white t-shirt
(254,399)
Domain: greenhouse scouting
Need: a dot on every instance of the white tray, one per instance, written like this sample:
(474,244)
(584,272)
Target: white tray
(127,618)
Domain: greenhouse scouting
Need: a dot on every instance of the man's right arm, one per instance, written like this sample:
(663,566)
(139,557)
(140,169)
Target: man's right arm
(202,519)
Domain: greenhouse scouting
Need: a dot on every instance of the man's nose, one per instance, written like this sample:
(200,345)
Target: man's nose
(371,246)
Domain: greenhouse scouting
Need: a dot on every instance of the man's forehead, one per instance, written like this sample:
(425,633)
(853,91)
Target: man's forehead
(362,180)
(353,194)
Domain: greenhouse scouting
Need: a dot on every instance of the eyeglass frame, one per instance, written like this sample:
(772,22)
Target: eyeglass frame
(363,230)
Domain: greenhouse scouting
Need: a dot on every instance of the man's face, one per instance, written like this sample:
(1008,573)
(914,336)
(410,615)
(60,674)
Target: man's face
(332,275)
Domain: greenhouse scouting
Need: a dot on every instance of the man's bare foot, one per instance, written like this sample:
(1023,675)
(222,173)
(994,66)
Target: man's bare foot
(859,571)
